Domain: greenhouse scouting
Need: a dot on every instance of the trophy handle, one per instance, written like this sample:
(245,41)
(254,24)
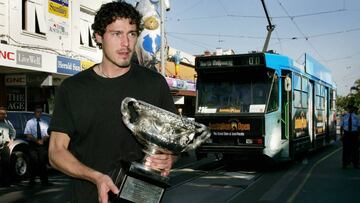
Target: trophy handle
(205,134)
(126,112)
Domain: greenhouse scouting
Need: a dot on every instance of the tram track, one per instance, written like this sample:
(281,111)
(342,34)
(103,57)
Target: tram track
(211,181)
(190,172)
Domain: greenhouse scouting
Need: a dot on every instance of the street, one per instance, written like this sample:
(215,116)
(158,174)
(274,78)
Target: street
(317,177)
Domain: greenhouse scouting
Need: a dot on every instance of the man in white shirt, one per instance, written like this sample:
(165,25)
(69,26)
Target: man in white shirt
(36,133)
(349,131)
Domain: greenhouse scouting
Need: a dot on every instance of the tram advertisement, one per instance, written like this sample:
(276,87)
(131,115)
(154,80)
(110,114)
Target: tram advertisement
(239,127)
(301,123)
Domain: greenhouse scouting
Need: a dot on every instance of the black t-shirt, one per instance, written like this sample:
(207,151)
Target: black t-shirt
(88,109)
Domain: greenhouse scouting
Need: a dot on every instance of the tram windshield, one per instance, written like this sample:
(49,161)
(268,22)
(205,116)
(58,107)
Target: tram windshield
(237,92)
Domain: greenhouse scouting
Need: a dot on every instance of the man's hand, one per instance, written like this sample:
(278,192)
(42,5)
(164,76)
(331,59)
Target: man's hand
(104,184)
(162,162)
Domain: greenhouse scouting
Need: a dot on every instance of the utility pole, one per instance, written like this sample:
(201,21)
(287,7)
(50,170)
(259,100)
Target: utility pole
(162,33)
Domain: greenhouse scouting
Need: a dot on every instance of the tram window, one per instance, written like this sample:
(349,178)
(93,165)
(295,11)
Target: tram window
(333,100)
(304,84)
(317,89)
(273,101)
(259,94)
(304,99)
(320,103)
(297,82)
(322,89)
(297,98)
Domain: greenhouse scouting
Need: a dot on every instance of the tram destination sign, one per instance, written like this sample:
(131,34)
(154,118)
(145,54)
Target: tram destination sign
(229,61)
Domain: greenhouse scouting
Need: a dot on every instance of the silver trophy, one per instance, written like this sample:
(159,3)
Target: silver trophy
(159,131)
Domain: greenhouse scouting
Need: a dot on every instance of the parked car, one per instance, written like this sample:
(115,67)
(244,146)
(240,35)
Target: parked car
(19,149)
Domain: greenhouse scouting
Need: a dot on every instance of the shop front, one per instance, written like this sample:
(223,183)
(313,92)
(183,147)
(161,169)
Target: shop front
(30,78)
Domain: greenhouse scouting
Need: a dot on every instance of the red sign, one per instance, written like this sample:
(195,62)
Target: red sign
(7,55)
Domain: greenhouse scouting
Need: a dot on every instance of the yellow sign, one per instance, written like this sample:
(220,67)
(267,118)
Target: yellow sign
(86,64)
(57,8)
(230,126)
(300,123)
(229,110)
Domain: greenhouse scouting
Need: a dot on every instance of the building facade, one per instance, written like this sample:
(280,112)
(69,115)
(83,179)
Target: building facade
(44,41)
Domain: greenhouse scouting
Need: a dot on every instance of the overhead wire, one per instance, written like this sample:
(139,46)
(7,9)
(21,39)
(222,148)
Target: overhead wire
(280,39)
(343,57)
(223,7)
(300,31)
(191,7)
(260,17)
(192,42)
(260,37)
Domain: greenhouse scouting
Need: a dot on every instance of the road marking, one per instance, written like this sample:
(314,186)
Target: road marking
(291,199)
(280,185)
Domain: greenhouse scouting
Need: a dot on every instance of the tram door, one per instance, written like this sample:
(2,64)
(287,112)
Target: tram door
(286,107)
(310,115)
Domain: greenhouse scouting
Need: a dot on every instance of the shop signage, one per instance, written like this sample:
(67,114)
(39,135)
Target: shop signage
(59,8)
(28,59)
(7,55)
(86,64)
(59,27)
(15,80)
(180,84)
(68,65)
(16,98)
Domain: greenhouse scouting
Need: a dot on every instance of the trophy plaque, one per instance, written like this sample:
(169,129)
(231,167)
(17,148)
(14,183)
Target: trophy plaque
(159,131)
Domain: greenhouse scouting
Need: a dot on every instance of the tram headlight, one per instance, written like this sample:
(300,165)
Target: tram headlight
(248,141)
(254,141)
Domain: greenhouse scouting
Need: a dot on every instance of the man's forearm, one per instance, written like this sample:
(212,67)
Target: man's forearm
(65,162)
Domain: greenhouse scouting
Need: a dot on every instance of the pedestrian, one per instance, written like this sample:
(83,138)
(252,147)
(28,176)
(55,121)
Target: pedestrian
(88,139)
(7,136)
(349,131)
(36,133)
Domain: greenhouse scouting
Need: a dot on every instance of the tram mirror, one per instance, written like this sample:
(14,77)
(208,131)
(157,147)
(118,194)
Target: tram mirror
(287,84)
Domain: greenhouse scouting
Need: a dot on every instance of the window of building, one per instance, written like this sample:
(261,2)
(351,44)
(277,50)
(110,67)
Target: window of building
(33,16)
(86,20)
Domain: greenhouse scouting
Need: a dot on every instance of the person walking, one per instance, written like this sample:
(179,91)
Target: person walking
(88,139)
(7,136)
(36,133)
(349,131)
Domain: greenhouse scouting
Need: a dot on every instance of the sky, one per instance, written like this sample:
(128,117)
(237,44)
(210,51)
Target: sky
(328,30)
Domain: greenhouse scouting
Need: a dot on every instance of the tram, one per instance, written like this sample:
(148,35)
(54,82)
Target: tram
(264,104)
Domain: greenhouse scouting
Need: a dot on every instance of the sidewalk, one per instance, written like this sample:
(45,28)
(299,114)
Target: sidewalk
(328,182)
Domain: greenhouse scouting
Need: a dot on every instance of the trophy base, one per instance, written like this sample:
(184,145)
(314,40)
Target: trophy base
(139,184)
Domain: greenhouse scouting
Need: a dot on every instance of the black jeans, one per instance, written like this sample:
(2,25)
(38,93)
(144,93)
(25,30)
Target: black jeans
(5,166)
(38,162)
(350,148)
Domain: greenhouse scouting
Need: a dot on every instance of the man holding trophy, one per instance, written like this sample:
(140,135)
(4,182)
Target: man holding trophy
(88,138)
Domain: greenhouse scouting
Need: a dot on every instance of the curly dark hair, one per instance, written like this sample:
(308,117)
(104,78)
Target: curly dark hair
(112,11)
